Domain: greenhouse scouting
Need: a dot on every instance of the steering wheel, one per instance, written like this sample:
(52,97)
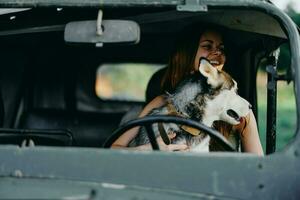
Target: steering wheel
(151,119)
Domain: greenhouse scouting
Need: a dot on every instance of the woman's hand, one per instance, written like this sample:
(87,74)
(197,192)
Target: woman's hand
(163,146)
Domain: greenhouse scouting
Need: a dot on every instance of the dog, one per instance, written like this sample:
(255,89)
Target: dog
(205,96)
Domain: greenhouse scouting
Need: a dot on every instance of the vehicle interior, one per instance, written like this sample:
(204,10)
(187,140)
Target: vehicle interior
(72,73)
(49,83)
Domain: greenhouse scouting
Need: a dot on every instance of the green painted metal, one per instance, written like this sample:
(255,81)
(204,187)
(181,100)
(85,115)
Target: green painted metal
(221,174)
(123,3)
(89,3)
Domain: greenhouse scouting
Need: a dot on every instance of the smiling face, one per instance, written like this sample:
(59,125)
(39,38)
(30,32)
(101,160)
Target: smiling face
(211,47)
(190,47)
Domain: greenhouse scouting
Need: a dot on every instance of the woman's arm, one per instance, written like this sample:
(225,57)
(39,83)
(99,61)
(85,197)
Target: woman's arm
(123,141)
(249,136)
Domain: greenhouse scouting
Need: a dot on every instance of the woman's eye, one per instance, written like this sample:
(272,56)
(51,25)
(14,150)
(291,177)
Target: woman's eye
(222,49)
(207,47)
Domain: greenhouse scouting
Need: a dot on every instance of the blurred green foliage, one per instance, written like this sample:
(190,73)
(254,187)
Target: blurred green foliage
(286,111)
(125,81)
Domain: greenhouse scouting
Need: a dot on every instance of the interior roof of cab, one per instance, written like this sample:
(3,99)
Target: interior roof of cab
(251,20)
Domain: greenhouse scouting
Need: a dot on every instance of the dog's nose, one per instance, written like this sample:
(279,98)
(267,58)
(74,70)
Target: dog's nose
(250,106)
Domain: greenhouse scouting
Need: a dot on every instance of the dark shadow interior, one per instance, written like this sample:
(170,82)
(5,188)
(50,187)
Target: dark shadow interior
(48,84)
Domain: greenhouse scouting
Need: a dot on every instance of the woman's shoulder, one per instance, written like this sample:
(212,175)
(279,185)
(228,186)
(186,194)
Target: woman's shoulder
(155,103)
(159,100)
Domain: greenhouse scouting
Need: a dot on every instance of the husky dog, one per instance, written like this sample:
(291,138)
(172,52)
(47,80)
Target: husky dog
(205,96)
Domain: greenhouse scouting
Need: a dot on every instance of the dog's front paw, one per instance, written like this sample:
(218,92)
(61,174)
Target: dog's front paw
(203,146)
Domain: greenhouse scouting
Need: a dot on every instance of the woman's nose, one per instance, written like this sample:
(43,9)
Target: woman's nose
(217,51)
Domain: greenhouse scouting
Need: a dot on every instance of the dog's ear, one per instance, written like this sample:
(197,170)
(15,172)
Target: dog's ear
(210,72)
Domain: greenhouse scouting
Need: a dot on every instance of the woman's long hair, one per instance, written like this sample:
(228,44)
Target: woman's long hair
(181,60)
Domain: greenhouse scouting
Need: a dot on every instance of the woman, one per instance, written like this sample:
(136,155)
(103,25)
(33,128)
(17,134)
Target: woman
(196,43)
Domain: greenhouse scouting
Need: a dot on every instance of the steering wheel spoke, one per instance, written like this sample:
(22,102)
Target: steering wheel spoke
(152,137)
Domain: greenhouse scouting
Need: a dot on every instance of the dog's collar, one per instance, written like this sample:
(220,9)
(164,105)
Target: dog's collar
(190,130)
(173,111)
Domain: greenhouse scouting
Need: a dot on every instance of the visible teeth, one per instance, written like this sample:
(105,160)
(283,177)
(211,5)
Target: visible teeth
(214,62)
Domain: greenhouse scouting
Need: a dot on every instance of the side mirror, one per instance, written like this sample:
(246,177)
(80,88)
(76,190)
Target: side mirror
(113,31)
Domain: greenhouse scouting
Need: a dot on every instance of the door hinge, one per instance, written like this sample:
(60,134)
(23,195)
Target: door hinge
(192,6)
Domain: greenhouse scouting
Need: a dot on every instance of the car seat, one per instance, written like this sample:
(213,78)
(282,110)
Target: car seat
(153,90)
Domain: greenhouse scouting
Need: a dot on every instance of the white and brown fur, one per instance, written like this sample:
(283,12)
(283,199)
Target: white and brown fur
(205,96)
